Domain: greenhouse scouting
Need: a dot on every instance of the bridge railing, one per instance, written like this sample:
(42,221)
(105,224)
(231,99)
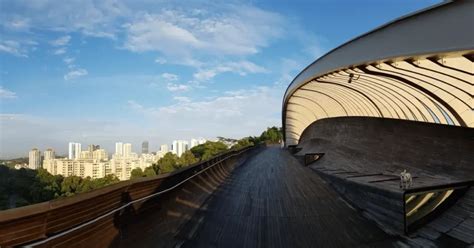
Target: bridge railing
(95,212)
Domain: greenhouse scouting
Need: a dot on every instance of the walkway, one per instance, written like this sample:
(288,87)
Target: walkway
(274,201)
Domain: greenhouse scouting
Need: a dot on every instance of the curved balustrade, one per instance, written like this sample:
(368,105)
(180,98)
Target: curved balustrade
(100,217)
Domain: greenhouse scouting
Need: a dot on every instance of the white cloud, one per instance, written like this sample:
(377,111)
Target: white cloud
(18,24)
(13,47)
(244,67)
(170,80)
(61,41)
(7,94)
(170,77)
(160,60)
(180,61)
(241,67)
(182,35)
(134,105)
(155,34)
(248,110)
(205,75)
(59,51)
(236,30)
(182,99)
(177,87)
(99,34)
(289,68)
(89,17)
(69,60)
(75,74)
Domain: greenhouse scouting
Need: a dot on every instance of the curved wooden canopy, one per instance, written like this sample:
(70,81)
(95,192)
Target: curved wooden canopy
(419,67)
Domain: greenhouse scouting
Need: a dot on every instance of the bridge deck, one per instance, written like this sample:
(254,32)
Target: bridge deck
(273,201)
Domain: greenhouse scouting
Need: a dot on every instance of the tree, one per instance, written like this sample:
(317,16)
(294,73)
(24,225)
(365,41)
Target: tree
(137,172)
(242,143)
(226,140)
(6,187)
(71,185)
(213,149)
(187,158)
(166,164)
(198,150)
(86,185)
(104,181)
(272,135)
(208,150)
(24,186)
(149,171)
(255,140)
(46,186)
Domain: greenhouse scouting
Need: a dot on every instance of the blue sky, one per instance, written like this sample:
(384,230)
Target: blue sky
(106,71)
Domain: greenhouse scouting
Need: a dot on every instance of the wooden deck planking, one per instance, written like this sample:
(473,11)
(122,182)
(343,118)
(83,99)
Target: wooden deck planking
(274,201)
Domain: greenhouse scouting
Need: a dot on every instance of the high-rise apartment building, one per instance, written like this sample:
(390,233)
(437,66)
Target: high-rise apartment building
(119,149)
(193,143)
(201,141)
(79,167)
(100,154)
(196,142)
(85,155)
(164,148)
(145,147)
(127,150)
(74,150)
(49,154)
(91,148)
(34,159)
(99,166)
(179,147)
(48,158)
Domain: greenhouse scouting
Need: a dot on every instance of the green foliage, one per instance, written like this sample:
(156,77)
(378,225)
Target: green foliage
(166,164)
(21,187)
(104,181)
(226,140)
(46,186)
(187,158)
(242,143)
(137,172)
(149,171)
(255,140)
(5,187)
(71,185)
(86,184)
(24,187)
(12,162)
(198,150)
(208,150)
(272,135)
(171,162)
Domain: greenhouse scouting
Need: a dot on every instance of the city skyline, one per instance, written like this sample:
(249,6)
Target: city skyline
(71,148)
(174,70)
(95,162)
